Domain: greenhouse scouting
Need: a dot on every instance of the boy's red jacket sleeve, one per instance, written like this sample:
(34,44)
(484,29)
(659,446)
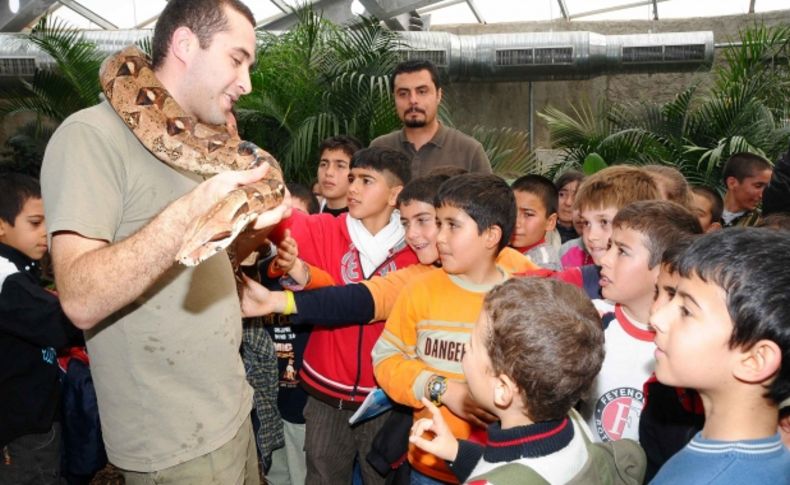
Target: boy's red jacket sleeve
(314,234)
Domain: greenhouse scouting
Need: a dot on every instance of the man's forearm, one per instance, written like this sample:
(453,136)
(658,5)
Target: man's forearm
(84,281)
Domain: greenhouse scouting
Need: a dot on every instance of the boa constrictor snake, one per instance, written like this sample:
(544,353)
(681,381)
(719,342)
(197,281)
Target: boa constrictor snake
(183,142)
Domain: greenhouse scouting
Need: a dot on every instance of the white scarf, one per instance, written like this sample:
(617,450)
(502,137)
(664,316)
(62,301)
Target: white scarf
(374,250)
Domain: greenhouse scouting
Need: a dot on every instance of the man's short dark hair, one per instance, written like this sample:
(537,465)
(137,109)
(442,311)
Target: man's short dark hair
(349,144)
(15,190)
(541,187)
(299,191)
(744,164)
(486,198)
(546,336)
(714,197)
(568,177)
(203,17)
(660,222)
(750,265)
(416,65)
(384,160)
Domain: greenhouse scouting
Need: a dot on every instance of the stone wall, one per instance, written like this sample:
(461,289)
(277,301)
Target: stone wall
(506,104)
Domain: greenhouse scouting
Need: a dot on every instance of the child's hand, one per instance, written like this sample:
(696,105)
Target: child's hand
(287,253)
(444,445)
(288,261)
(460,402)
(256,300)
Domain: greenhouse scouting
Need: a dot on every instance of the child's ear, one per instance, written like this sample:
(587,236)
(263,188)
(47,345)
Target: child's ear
(551,222)
(715,226)
(505,391)
(492,236)
(393,198)
(759,363)
(3,229)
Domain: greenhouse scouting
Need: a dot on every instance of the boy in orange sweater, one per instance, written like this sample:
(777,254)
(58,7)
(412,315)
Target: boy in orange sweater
(420,351)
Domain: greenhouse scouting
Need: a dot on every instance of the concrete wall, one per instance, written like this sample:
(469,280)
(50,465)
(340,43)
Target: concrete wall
(506,104)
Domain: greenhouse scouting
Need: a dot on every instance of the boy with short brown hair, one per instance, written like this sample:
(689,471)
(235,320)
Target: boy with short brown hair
(598,199)
(708,206)
(536,217)
(745,175)
(642,231)
(334,166)
(534,351)
(337,371)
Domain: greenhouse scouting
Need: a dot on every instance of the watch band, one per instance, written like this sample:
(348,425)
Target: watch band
(437,385)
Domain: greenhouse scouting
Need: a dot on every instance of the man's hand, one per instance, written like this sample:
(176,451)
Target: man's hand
(272,217)
(211,191)
(444,445)
(257,301)
(461,403)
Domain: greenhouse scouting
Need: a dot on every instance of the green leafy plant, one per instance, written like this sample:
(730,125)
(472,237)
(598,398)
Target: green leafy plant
(315,81)
(696,131)
(508,151)
(70,85)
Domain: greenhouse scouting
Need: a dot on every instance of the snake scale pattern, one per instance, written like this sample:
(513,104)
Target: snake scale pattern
(183,142)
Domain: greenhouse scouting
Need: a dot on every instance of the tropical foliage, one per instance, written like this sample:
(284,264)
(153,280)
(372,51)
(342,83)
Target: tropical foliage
(315,81)
(696,131)
(71,85)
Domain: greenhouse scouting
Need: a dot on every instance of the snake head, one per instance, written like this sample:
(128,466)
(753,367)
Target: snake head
(221,225)
(258,154)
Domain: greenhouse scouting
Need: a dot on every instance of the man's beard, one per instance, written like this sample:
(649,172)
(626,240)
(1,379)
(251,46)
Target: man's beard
(414,123)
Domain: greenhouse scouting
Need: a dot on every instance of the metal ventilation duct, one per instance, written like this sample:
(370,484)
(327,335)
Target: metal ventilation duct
(558,55)
(485,57)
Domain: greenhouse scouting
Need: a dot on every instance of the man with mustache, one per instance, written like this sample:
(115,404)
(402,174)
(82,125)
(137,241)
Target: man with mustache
(427,142)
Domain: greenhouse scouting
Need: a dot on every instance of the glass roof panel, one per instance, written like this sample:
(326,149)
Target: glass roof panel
(495,11)
(129,13)
(126,14)
(459,13)
(74,19)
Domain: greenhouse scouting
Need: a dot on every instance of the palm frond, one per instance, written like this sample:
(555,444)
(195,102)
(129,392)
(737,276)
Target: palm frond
(508,151)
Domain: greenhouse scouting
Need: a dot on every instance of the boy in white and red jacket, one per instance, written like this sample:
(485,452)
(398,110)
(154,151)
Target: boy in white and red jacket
(337,369)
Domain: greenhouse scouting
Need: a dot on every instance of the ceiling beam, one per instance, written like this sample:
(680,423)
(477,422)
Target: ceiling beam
(439,6)
(564,9)
(337,11)
(26,14)
(614,8)
(89,14)
(284,8)
(384,9)
(475,11)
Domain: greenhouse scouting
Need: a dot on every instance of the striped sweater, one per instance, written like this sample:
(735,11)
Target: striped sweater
(426,334)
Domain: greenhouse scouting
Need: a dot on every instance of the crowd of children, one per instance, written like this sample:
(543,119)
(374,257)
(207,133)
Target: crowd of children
(651,346)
